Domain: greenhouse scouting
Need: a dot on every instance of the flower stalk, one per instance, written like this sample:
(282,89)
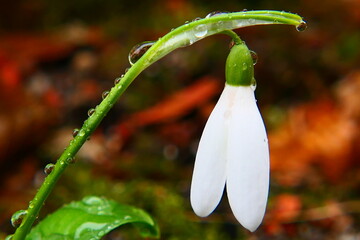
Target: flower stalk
(182,36)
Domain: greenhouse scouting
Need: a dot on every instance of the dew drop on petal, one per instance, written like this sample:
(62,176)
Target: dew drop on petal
(215,13)
(75,132)
(139,50)
(301,27)
(200,31)
(18,217)
(49,168)
(91,112)
(104,94)
(254,57)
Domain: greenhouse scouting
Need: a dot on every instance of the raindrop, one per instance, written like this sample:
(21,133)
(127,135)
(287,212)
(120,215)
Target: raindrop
(253,84)
(93,200)
(215,13)
(245,66)
(75,132)
(231,44)
(301,27)
(49,168)
(82,133)
(139,50)
(17,218)
(254,57)
(105,94)
(117,80)
(70,160)
(91,112)
(200,31)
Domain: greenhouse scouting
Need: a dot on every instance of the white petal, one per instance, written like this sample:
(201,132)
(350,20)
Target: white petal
(248,161)
(209,177)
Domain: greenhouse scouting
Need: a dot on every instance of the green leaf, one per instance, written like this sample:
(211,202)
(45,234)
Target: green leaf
(92,218)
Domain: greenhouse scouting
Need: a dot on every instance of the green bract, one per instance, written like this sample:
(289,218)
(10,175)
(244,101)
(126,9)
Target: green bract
(239,69)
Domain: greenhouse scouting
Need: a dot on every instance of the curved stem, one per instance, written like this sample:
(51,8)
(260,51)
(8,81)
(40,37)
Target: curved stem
(233,35)
(182,36)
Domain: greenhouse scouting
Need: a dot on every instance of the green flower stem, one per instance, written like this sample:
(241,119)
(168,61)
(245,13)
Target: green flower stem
(237,40)
(182,36)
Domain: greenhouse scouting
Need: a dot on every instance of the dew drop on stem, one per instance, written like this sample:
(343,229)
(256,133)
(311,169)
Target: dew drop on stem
(301,27)
(117,80)
(104,94)
(139,50)
(75,132)
(18,217)
(70,160)
(254,57)
(49,168)
(91,112)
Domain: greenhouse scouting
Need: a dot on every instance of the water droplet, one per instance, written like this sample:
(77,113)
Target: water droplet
(101,233)
(215,13)
(139,50)
(244,10)
(301,27)
(197,19)
(18,217)
(245,66)
(200,31)
(9,237)
(91,112)
(126,70)
(49,168)
(82,133)
(104,94)
(93,200)
(117,80)
(186,22)
(127,217)
(75,132)
(70,160)
(253,84)
(254,57)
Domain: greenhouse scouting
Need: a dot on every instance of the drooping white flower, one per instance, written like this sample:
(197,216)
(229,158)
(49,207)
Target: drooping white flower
(233,152)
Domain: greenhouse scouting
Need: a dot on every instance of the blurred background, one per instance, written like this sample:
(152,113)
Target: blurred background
(57,57)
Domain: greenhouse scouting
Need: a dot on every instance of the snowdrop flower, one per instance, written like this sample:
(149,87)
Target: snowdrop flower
(233,149)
